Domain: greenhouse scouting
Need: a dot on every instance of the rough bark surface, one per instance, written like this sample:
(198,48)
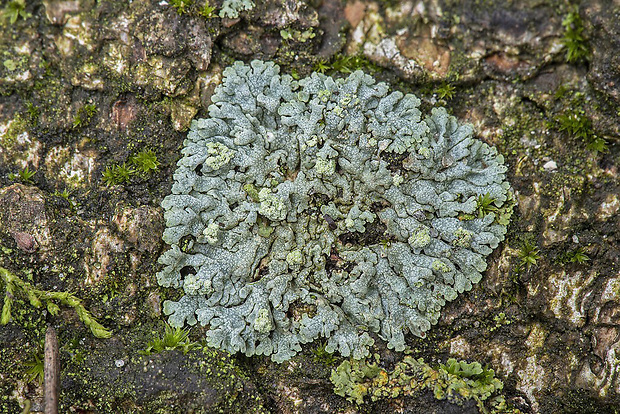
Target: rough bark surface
(87,85)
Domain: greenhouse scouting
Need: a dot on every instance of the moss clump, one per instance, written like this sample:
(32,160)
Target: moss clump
(528,254)
(143,163)
(13,10)
(574,41)
(25,176)
(345,64)
(577,124)
(577,256)
(173,338)
(35,368)
(117,174)
(84,115)
(445,91)
(14,285)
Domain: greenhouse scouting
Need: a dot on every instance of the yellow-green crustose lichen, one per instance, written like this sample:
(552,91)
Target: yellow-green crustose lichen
(325,208)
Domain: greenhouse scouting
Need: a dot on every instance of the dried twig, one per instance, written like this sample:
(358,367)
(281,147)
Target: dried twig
(52,371)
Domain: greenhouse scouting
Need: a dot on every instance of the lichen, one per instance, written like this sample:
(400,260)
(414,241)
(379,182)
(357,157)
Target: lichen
(315,235)
(210,233)
(462,237)
(271,206)
(455,381)
(231,8)
(262,323)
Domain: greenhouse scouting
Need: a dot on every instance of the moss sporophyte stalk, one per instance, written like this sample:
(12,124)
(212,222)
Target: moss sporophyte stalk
(325,208)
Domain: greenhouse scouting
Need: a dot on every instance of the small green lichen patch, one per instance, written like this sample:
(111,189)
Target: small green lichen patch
(350,378)
(420,238)
(455,381)
(10,65)
(218,155)
(299,36)
(262,323)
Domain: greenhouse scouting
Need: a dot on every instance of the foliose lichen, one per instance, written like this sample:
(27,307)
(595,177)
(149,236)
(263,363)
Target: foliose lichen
(324,208)
(455,381)
(231,8)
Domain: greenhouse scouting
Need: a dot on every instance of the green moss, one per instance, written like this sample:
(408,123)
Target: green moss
(324,357)
(321,66)
(16,286)
(528,254)
(25,176)
(65,195)
(172,338)
(142,163)
(84,115)
(35,367)
(445,91)
(117,174)
(18,361)
(13,10)
(145,161)
(207,11)
(181,6)
(500,320)
(578,256)
(33,112)
(485,204)
(574,41)
(346,64)
(576,123)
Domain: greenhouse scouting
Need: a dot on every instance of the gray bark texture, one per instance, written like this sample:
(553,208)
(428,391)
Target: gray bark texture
(86,86)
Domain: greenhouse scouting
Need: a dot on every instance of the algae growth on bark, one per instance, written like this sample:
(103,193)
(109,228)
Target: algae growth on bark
(325,208)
